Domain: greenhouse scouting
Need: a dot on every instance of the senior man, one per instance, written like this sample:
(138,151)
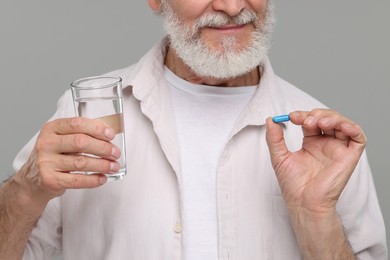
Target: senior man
(210,176)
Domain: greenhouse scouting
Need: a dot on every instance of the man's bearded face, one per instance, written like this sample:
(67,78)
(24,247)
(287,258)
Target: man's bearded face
(241,47)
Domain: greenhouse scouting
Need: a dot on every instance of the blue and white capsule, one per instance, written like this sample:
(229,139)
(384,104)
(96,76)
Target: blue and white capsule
(281,118)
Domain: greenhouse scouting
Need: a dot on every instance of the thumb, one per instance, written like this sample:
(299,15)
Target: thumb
(276,144)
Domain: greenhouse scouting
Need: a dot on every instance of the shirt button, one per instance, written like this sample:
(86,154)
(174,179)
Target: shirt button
(178,228)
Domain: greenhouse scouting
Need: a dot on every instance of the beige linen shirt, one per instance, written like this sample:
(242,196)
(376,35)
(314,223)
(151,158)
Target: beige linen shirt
(140,217)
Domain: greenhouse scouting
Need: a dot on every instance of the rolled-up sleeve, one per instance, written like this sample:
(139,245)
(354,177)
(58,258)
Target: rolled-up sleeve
(361,214)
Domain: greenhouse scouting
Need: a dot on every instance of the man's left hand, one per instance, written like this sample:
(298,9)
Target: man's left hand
(314,177)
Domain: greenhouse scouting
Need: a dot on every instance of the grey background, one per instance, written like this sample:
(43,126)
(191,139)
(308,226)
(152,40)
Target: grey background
(335,50)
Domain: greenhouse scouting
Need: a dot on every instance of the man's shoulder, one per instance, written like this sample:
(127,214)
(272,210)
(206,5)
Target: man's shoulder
(122,72)
(295,96)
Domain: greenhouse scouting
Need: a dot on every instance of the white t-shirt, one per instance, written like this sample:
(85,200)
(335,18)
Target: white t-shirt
(205,116)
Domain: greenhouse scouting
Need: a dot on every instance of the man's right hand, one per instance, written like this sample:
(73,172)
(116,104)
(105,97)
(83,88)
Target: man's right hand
(47,174)
(59,151)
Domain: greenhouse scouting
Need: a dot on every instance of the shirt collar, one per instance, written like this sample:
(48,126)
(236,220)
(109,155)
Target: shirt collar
(265,103)
(149,71)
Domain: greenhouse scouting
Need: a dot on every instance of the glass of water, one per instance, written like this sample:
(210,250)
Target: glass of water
(101,98)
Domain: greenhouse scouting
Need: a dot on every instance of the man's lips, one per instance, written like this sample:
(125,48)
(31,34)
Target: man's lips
(227,28)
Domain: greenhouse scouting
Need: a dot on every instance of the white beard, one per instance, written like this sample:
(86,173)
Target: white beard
(229,62)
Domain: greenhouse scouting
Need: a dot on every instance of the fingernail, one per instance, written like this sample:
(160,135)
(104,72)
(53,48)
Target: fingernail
(296,114)
(109,133)
(114,167)
(115,152)
(103,179)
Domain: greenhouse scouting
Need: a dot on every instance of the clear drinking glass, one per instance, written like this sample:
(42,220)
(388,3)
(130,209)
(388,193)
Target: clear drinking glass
(101,98)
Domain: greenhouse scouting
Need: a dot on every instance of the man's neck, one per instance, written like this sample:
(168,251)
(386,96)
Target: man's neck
(177,66)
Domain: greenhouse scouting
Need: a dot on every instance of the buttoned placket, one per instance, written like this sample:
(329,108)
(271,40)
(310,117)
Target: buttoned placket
(157,106)
(227,207)
(226,181)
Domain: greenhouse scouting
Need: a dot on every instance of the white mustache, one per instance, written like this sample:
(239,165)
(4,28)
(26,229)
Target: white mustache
(220,19)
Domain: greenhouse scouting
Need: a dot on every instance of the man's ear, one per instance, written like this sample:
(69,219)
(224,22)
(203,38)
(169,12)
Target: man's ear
(155,5)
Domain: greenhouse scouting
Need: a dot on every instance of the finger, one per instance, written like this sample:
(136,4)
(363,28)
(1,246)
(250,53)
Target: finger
(353,131)
(331,125)
(94,128)
(326,128)
(307,122)
(81,143)
(341,136)
(82,163)
(79,181)
(276,143)
(320,121)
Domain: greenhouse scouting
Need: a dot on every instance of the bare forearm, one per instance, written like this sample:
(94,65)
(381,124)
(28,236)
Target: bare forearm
(18,215)
(321,236)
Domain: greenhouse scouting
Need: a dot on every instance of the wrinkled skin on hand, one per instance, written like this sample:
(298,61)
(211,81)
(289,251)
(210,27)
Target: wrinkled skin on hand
(59,150)
(314,177)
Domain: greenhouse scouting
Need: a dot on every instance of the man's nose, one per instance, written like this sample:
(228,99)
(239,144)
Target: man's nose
(230,7)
